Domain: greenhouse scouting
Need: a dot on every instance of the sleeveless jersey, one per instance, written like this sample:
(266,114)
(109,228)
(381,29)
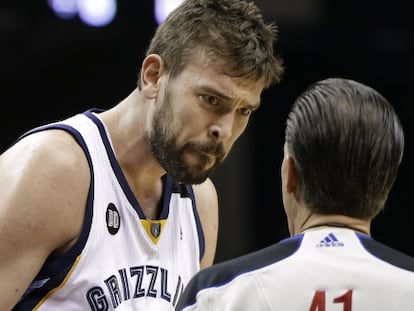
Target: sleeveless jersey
(122,261)
(328,269)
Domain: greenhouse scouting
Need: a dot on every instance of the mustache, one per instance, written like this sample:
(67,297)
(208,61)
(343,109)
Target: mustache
(213,148)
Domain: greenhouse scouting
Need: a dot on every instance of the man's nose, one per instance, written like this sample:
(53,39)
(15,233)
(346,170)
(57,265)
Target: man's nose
(222,127)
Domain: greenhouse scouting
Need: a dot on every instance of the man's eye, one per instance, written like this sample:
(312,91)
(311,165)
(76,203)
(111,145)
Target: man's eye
(211,100)
(245,111)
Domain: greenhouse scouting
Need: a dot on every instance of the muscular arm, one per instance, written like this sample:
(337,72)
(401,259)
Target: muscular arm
(207,207)
(43,187)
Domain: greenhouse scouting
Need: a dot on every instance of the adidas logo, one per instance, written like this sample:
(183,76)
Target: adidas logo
(330,241)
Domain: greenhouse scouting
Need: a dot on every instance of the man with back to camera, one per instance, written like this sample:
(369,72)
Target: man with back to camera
(115,209)
(343,147)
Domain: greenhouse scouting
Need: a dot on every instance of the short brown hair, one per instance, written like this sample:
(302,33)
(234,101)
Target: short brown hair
(232,31)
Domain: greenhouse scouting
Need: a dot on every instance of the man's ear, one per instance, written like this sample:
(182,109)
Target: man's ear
(292,179)
(151,71)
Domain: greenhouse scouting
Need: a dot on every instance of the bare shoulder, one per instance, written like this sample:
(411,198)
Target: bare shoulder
(44,179)
(207,207)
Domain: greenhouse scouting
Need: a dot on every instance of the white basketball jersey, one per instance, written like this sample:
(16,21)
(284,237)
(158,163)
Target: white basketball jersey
(122,261)
(329,269)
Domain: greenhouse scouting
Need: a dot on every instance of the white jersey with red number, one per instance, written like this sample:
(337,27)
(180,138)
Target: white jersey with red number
(324,269)
(121,261)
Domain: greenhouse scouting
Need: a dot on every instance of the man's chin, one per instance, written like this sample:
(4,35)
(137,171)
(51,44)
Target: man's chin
(200,162)
(197,168)
(194,175)
(192,180)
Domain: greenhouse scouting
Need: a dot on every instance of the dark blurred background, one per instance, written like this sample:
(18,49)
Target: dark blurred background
(52,68)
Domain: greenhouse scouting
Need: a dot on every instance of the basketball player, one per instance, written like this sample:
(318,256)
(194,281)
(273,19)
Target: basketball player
(98,211)
(343,146)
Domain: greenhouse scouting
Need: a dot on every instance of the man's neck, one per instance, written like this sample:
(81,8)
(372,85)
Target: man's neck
(316,221)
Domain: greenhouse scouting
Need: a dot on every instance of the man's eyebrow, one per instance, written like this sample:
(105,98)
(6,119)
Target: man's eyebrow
(217,93)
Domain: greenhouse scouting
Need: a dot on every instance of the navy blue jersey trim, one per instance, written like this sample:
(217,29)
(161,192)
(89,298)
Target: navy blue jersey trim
(386,253)
(186,191)
(224,272)
(166,196)
(115,165)
(201,239)
(55,270)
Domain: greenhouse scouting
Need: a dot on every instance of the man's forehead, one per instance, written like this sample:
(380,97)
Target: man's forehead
(205,71)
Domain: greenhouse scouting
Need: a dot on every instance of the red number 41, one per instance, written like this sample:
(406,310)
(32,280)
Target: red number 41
(319,301)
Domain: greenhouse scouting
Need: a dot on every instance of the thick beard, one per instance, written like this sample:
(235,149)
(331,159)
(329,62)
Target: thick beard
(163,143)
